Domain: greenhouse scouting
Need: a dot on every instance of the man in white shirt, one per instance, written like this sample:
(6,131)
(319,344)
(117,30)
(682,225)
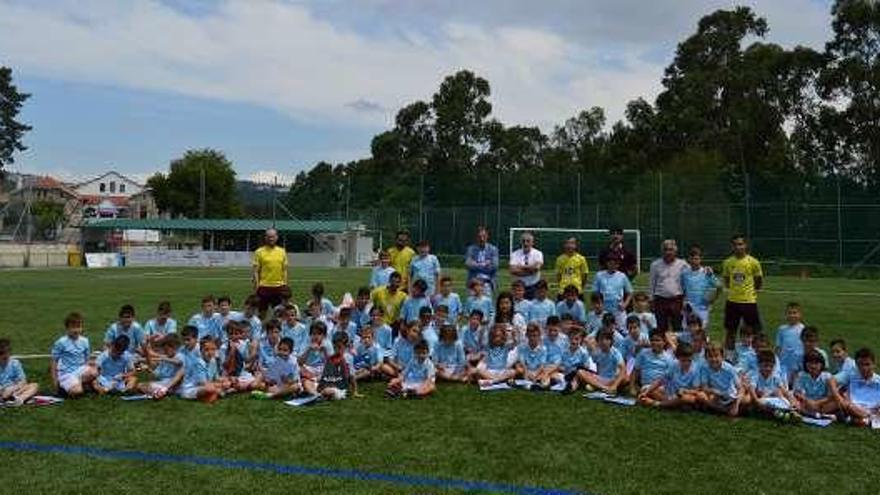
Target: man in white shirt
(665,286)
(526,263)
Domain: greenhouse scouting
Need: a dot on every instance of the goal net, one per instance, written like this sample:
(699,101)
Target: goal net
(549,241)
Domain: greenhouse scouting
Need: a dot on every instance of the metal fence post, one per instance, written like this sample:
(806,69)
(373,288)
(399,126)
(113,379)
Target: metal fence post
(839,226)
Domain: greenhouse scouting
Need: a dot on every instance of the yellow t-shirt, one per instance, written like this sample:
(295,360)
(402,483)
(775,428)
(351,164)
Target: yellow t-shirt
(400,260)
(272,265)
(572,270)
(389,302)
(742,272)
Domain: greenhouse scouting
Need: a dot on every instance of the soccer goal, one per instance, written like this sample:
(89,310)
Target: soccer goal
(590,241)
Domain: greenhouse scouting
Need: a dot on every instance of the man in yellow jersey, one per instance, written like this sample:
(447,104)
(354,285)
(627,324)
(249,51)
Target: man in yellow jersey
(743,278)
(390,298)
(571,268)
(270,273)
(401,256)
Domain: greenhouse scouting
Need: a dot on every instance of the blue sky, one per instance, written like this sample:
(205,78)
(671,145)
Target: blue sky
(279,85)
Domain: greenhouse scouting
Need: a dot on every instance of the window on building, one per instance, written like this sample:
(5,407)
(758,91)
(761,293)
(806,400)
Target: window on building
(103,187)
(112,186)
(122,188)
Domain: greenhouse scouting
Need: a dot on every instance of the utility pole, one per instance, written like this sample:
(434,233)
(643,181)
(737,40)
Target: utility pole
(202,193)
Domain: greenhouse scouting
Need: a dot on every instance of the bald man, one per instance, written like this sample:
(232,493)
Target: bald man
(270,273)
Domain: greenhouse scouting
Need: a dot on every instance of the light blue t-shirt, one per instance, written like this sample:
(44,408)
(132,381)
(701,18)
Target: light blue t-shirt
(613,287)
(695,284)
(113,367)
(555,348)
(69,354)
(350,329)
(607,363)
(166,370)
(297,332)
(429,333)
(153,327)
(843,372)
(576,310)
(652,366)
(417,371)
(812,388)
(482,303)
(746,359)
(675,379)
(402,351)
(473,339)
(211,326)
(12,373)
(266,352)
(865,392)
(366,357)
(769,386)
(361,317)
(723,381)
(594,322)
(426,268)
(522,307)
(380,276)
(135,334)
(791,349)
(496,358)
(195,372)
(283,371)
(256,327)
(533,358)
(628,347)
(576,359)
(384,337)
(450,355)
(316,358)
(540,310)
(453,302)
(411,307)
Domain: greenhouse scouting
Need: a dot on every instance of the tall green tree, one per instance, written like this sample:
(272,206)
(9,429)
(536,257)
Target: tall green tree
(11,130)
(179,192)
(852,80)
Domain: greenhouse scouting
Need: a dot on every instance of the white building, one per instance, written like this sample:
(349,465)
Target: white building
(115,195)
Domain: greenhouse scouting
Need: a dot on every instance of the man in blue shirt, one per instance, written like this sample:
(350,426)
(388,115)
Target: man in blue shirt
(481,260)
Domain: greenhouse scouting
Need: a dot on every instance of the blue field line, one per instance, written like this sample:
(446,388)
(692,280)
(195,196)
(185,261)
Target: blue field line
(287,469)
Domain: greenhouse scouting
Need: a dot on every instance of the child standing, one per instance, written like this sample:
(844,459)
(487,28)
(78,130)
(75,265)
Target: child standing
(642,311)
(116,368)
(14,387)
(789,346)
(360,314)
(700,286)
(381,272)
(542,307)
(594,317)
(425,266)
(69,367)
(328,310)
(616,290)
(415,302)
(478,300)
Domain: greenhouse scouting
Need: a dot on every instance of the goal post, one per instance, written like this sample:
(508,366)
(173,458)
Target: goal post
(549,241)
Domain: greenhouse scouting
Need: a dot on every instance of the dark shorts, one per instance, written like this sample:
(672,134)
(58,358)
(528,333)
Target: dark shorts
(735,312)
(272,296)
(667,310)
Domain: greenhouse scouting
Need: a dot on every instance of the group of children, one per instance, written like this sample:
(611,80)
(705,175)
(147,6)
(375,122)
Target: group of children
(541,344)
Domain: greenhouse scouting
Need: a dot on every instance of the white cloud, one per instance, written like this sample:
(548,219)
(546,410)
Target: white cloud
(545,61)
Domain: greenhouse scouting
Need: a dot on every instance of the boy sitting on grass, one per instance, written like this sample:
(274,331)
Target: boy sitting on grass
(14,387)
(116,368)
(281,378)
(167,368)
(338,377)
(72,373)
(417,379)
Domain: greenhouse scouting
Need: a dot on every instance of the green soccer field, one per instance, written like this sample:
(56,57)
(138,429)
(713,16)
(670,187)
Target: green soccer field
(519,439)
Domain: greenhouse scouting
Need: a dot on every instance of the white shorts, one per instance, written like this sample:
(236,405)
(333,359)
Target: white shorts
(493,374)
(337,393)
(453,371)
(69,380)
(189,392)
(160,387)
(111,384)
(314,371)
(245,379)
(412,386)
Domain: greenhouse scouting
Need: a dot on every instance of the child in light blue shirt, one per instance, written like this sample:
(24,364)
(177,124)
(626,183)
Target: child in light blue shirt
(650,364)
(69,366)
(815,390)
(789,346)
(474,338)
(417,378)
(128,327)
(615,288)
(610,366)
(116,368)
(531,357)
(381,272)
(282,378)
(495,366)
(842,366)
(572,306)
(167,368)
(382,333)
(719,383)
(14,387)
(208,322)
(425,266)
(163,324)
(415,302)
(449,357)
(368,356)
(541,307)
(403,350)
(478,300)
(678,387)
(449,299)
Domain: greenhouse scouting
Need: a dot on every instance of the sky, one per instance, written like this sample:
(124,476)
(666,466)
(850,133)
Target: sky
(279,85)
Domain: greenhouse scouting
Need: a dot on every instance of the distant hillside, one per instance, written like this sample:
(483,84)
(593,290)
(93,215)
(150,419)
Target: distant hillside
(256,199)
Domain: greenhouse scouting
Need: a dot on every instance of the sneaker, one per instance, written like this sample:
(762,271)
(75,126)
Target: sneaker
(484,383)
(259,395)
(15,402)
